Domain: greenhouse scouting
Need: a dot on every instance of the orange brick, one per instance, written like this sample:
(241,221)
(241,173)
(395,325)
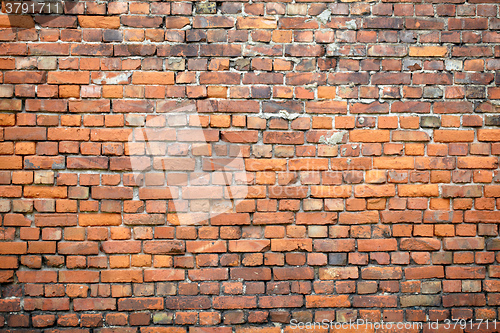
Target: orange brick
(428,51)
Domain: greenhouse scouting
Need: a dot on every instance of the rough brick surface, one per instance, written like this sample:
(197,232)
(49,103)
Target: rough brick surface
(363,141)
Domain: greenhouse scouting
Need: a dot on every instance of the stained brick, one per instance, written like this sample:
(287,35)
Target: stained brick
(140,303)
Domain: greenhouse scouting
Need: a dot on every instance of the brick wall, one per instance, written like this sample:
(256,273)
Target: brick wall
(236,164)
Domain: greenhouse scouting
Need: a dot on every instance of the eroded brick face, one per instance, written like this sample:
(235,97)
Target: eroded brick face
(231,166)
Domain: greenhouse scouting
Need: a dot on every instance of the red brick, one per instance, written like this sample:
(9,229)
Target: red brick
(163,247)
(409,216)
(187,302)
(80,248)
(204,22)
(102,22)
(284,138)
(272,218)
(111,192)
(251,274)
(453,136)
(234,302)
(428,51)
(117,276)
(46,304)
(11,162)
(206,246)
(141,21)
(13,220)
(78,277)
(115,246)
(153,78)
(22,21)
(476,162)
(420,244)
(140,303)
(467,23)
(53,220)
(488,134)
(258,330)
(87,106)
(316,218)
(463,243)
(240,136)
(164,275)
(36,277)
(111,135)
(356,218)
(394,163)
(23,77)
(418,190)
(94,304)
(374,301)
(334,245)
(281,245)
(208,274)
(76,134)
(99,219)
(460,300)
(453,107)
(10,305)
(249,245)
(337,107)
(456,272)
(256,23)
(87,162)
(298,273)
(381,273)
(376,245)
(417,273)
(68,77)
(281,301)
(265,165)
(45,192)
